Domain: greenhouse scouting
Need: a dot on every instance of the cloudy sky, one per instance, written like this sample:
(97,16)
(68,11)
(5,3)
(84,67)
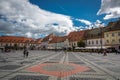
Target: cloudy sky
(38,18)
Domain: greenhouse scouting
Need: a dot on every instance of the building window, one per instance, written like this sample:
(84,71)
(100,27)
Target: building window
(96,41)
(88,42)
(69,44)
(74,44)
(1,40)
(112,34)
(107,35)
(92,42)
(119,40)
(100,41)
(113,41)
(107,41)
(1,44)
(118,33)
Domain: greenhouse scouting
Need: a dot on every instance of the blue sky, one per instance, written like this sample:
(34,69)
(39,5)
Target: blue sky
(81,9)
(85,9)
(38,18)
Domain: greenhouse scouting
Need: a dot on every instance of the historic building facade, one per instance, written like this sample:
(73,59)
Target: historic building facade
(112,35)
(45,41)
(74,37)
(58,42)
(95,38)
(101,37)
(13,41)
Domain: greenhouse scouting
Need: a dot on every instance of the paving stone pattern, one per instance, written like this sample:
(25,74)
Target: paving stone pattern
(4,61)
(77,78)
(29,77)
(100,67)
(114,69)
(27,62)
(59,67)
(10,67)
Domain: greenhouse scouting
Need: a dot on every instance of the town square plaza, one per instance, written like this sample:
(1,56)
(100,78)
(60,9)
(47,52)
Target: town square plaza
(59,65)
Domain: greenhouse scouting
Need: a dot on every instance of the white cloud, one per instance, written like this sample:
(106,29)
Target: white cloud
(111,8)
(98,23)
(86,22)
(23,18)
(95,24)
(28,34)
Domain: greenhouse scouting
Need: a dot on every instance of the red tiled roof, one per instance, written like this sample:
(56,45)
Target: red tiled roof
(113,26)
(47,38)
(38,41)
(95,33)
(14,39)
(76,35)
(58,39)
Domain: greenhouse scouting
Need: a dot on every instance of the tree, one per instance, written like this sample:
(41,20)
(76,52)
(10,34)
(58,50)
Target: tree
(81,43)
(15,46)
(73,47)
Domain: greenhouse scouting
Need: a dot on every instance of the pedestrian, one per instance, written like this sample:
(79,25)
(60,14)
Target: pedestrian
(118,51)
(27,53)
(104,53)
(115,50)
(100,51)
(92,50)
(24,53)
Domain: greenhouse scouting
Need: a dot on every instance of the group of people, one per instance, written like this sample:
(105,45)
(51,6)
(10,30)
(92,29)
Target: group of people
(25,53)
(107,51)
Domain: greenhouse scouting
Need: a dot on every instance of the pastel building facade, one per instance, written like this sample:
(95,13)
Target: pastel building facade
(112,35)
(95,38)
(75,36)
(104,37)
(45,41)
(59,42)
(12,41)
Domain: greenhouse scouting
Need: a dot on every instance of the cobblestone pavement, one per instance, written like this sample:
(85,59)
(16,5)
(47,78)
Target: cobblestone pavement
(50,65)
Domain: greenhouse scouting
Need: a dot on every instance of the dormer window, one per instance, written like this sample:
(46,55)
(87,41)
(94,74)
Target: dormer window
(118,33)
(112,34)
(50,39)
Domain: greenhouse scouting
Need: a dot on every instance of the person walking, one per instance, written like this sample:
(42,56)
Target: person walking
(105,53)
(27,53)
(24,53)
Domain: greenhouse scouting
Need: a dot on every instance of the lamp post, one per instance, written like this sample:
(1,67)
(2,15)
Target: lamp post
(101,36)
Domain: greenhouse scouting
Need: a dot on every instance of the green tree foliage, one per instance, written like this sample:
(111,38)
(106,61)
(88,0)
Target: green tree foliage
(81,44)
(15,46)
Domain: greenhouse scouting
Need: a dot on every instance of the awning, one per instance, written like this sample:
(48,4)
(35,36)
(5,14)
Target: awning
(97,47)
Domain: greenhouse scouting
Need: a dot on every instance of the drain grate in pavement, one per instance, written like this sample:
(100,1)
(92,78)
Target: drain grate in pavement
(29,77)
(77,78)
(10,67)
(93,60)
(114,69)
(27,62)
(38,59)
(50,62)
(5,61)
(91,70)
(54,61)
(103,63)
(81,63)
(18,59)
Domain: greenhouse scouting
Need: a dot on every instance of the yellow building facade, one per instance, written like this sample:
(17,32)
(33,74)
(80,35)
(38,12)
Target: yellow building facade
(112,38)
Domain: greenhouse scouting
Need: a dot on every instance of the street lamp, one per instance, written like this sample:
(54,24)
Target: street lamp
(101,36)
